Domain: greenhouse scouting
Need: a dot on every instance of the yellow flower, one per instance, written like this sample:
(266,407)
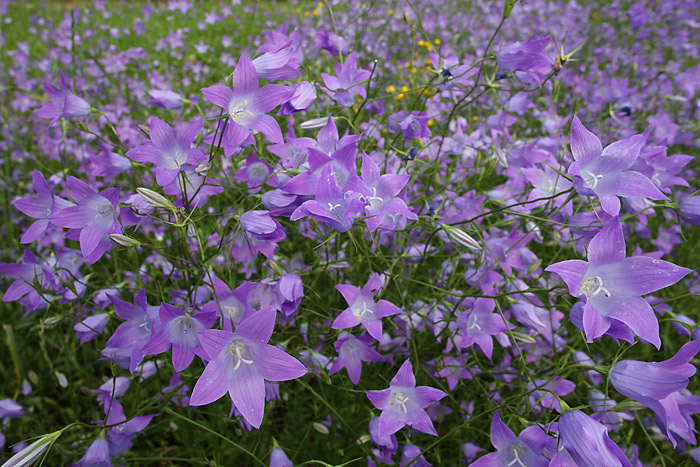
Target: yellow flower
(437,41)
(391,12)
(391,89)
(404,88)
(431,122)
(400,96)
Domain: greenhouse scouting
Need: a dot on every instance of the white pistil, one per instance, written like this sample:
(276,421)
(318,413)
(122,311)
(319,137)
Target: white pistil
(517,450)
(474,325)
(593,286)
(401,400)
(238,356)
(359,313)
(591,179)
(374,196)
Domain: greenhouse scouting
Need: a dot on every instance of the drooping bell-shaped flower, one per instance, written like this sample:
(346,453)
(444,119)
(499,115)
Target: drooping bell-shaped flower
(613,286)
(654,385)
(588,443)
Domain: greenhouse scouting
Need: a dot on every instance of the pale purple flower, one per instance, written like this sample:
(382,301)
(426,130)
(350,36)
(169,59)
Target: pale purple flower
(96,214)
(169,151)
(290,291)
(303,97)
(247,106)
(410,125)
(64,104)
(404,404)
(230,306)
(343,87)
(241,362)
(613,286)
(352,351)
(180,331)
(655,385)
(91,327)
(165,98)
(385,208)
(606,173)
(363,309)
(40,207)
(264,232)
(526,58)
(588,443)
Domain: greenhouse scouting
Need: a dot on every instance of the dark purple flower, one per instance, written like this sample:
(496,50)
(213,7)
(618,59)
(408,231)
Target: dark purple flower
(247,106)
(241,362)
(97,455)
(613,286)
(404,404)
(690,210)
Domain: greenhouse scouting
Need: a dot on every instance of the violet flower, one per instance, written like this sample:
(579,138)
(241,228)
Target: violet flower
(165,98)
(690,210)
(330,206)
(345,85)
(231,306)
(363,309)
(332,43)
(90,327)
(352,351)
(247,106)
(524,450)
(140,323)
(97,455)
(385,207)
(605,172)
(290,291)
(528,58)
(64,104)
(25,275)
(654,385)
(303,97)
(588,443)
(613,286)
(404,404)
(96,214)
(264,232)
(180,331)
(410,124)
(480,324)
(169,151)
(241,362)
(40,207)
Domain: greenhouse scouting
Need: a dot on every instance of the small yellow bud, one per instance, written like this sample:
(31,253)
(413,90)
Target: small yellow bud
(421,43)
(315,12)
(400,96)
(428,62)
(475,118)
(414,70)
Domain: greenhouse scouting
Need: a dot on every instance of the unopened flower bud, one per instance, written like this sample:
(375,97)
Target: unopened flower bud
(155,199)
(52,321)
(202,170)
(501,157)
(522,337)
(461,237)
(144,130)
(321,428)
(62,380)
(124,240)
(314,123)
(32,453)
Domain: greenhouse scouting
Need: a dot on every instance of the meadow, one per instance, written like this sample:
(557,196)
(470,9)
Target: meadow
(379,232)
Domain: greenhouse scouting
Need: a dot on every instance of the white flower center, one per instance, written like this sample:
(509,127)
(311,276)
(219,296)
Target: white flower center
(517,450)
(591,179)
(400,399)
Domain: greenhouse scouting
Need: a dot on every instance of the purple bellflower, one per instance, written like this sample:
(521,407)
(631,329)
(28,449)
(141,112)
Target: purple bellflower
(140,323)
(352,351)
(384,204)
(655,384)
(605,172)
(290,291)
(523,450)
(363,309)
(689,208)
(404,404)
(264,232)
(91,327)
(166,98)
(241,362)
(480,324)
(410,124)
(345,85)
(332,43)
(64,104)
(526,59)
(26,274)
(169,151)
(247,106)
(331,207)
(97,455)
(303,97)
(180,331)
(40,207)
(588,443)
(96,214)
(230,306)
(613,286)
